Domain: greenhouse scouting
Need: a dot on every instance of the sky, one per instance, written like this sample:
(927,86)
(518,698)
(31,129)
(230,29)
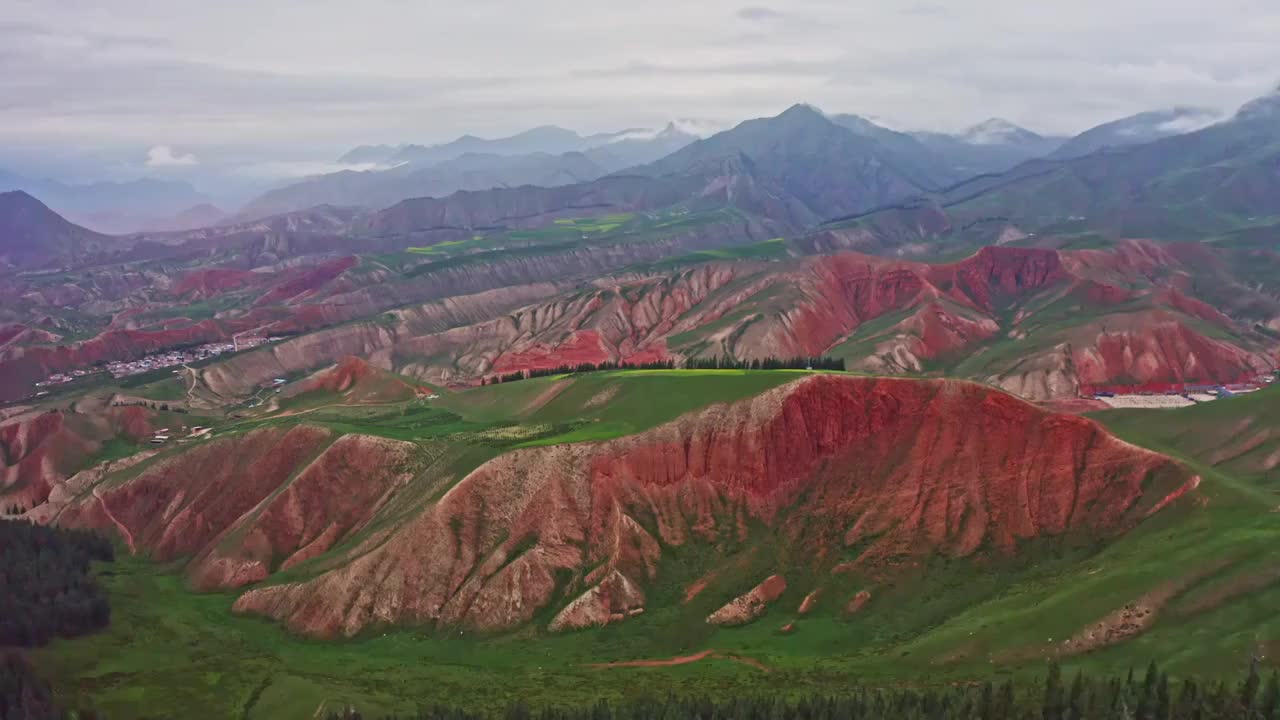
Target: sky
(181,78)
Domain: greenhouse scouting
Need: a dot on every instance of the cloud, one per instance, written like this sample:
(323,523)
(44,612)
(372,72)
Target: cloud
(926,9)
(757,14)
(122,72)
(276,169)
(162,156)
(1190,122)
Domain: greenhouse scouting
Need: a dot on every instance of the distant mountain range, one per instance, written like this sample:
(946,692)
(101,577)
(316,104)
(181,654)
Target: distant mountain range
(550,156)
(112,207)
(851,163)
(800,170)
(1218,179)
(470,171)
(1221,176)
(615,150)
(546,156)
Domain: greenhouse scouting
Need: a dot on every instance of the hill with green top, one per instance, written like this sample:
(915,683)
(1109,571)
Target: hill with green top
(1199,568)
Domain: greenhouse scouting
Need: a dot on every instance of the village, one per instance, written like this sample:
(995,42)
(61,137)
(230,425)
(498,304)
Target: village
(1174,395)
(156,361)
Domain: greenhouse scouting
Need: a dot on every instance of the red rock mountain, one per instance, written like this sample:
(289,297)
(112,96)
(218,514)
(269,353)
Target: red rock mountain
(1040,323)
(39,451)
(853,474)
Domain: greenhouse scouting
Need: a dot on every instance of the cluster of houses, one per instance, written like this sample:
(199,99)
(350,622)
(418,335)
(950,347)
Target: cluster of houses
(172,358)
(1180,395)
(163,435)
(66,377)
(155,361)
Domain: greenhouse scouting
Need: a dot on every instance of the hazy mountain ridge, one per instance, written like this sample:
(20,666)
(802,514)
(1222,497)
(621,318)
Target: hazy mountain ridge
(546,156)
(992,146)
(1137,129)
(112,207)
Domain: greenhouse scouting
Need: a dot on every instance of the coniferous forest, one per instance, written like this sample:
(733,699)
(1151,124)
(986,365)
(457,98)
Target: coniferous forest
(46,591)
(1146,696)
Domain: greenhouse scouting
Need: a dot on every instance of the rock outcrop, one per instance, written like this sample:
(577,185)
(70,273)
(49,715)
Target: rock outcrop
(749,606)
(612,599)
(810,602)
(857,602)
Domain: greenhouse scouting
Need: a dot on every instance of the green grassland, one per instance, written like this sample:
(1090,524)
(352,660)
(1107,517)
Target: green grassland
(599,406)
(565,234)
(946,620)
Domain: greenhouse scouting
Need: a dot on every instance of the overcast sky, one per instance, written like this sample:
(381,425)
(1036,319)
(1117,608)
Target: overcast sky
(186,74)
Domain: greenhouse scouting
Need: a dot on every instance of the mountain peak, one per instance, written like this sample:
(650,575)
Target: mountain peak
(997,131)
(549,133)
(802,115)
(15,201)
(16,196)
(31,234)
(697,127)
(802,110)
(1267,106)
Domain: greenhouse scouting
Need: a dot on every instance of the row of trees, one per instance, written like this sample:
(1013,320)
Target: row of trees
(46,587)
(14,509)
(769,363)
(1152,697)
(161,406)
(711,363)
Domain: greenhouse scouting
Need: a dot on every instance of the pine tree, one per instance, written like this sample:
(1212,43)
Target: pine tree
(1164,705)
(1053,693)
(1147,700)
(1076,700)
(1249,691)
(1270,705)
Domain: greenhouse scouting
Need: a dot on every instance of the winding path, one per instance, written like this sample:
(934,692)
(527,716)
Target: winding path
(684,660)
